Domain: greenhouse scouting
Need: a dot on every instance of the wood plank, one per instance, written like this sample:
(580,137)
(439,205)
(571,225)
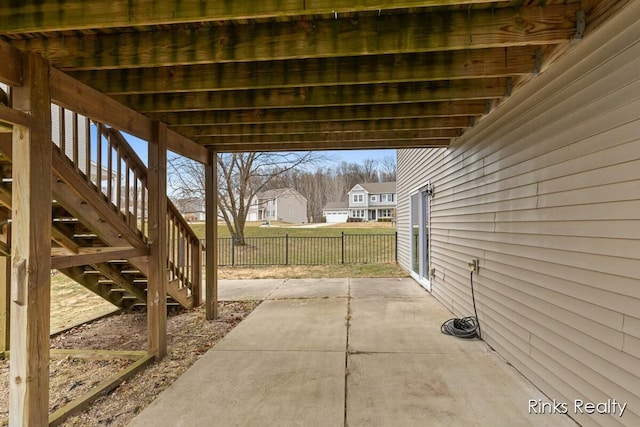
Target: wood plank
(11,64)
(322,96)
(295,138)
(324,115)
(108,254)
(77,15)
(157,274)
(12,116)
(413,124)
(5,303)
(76,96)
(211,234)
(79,404)
(335,145)
(61,353)
(367,35)
(5,285)
(360,144)
(452,65)
(31,244)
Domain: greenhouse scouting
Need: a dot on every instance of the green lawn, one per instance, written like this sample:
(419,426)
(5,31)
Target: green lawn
(256,230)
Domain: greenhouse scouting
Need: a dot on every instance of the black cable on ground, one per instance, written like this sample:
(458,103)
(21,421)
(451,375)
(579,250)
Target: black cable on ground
(467,327)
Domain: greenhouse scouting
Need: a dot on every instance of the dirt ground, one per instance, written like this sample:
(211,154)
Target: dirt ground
(189,336)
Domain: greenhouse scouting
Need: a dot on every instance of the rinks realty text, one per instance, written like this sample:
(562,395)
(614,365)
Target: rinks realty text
(578,406)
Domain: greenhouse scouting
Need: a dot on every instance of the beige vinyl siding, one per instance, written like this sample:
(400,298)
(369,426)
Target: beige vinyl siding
(546,193)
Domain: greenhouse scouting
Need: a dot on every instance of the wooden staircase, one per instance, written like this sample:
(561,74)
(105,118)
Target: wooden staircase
(100,216)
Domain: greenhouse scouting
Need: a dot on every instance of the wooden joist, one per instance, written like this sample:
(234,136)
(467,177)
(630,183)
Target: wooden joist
(413,124)
(11,116)
(342,71)
(323,96)
(366,35)
(324,115)
(55,15)
(332,145)
(99,256)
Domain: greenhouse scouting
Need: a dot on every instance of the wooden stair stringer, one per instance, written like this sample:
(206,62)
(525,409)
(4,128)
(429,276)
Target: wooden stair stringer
(93,284)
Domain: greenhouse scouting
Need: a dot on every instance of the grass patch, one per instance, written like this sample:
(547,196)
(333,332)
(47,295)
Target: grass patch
(255,229)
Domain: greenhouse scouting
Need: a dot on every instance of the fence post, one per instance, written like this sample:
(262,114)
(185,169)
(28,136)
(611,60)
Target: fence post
(286,249)
(396,246)
(233,251)
(342,247)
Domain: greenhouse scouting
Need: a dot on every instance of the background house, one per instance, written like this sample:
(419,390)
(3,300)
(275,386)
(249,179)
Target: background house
(191,208)
(366,202)
(545,193)
(282,204)
(373,200)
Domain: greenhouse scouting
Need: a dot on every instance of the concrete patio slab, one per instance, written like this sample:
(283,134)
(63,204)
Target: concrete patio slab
(402,325)
(435,390)
(242,290)
(284,365)
(293,324)
(393,287)
(312,288)
(262,388)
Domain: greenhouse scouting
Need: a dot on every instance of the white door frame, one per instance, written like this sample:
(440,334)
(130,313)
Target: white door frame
(424,235)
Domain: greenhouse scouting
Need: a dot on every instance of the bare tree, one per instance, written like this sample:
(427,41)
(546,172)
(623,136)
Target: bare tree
(388,166)
(241,176)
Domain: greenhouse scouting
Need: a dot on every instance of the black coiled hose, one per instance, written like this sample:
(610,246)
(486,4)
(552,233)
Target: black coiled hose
(467,327)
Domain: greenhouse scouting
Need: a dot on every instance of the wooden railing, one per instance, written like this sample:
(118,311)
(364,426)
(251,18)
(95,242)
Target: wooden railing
(185,254)
(106,160)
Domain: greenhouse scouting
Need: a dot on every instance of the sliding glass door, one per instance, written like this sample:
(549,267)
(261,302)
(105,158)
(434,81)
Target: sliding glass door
(420,236)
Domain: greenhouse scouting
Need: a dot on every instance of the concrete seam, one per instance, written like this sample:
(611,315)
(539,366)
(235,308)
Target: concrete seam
(346,352)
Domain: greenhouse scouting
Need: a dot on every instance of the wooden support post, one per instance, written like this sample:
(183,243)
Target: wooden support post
(211,219)
(31,249)
(5,286)
(157,276)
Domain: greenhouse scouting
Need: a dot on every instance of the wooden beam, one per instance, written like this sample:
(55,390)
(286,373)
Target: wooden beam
(11,116)
(75,96)
(211,234)
(335,145)
(157,274)
(77,15)
(450,65)
(11,64)
(268,41)
(292,138)
(80,403)
(324,115)
(105,255)
(31,248)
(322,96)
(5,285)
(414,124)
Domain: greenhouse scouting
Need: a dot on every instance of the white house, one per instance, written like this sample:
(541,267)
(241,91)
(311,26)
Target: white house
(367,202)
(545,193)
(371,201)
(282,204)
